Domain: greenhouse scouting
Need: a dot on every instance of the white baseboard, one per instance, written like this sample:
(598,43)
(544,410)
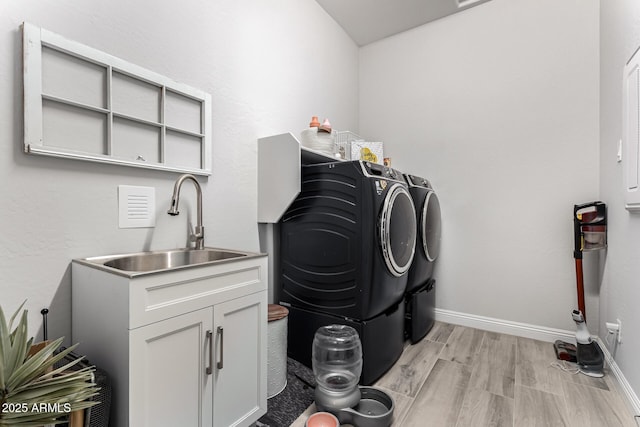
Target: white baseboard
(541,333)
(631,396)
(526,330)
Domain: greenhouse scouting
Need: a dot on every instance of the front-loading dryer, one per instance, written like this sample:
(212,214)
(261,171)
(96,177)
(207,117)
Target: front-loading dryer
(421,291)
(428,219)
(348,240)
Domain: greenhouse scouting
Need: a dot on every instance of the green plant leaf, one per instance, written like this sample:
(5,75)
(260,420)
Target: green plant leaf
(5,346)
(10,357)
(75,383)
(49,392)
(59,375)
(31,418)
(46,364)
(16,314)
(18,351)
(34,365)
(70,379)
(24,378)
(66,367)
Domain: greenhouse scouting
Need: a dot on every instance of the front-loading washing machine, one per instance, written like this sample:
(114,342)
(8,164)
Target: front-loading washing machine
(421,291)
(348,240)
(346,244)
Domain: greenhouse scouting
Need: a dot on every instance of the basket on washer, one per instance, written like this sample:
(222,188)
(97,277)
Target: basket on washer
(343,140)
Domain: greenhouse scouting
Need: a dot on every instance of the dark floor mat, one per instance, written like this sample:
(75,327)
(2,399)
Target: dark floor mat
(284,408)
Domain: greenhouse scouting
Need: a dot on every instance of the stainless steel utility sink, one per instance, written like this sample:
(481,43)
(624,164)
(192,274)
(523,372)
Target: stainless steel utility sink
(157,261)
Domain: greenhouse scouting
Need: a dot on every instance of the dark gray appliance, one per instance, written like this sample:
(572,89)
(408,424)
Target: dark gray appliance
(421,291)
(346,245)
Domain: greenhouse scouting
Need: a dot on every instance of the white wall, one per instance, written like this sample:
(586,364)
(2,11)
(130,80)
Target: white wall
(620,37)
(498,107)
(268,65)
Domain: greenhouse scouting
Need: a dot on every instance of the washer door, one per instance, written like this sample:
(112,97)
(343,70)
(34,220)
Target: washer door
(431,226)
(398,230)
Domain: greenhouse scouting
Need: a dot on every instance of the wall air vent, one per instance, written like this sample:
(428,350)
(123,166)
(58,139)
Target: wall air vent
(136,206)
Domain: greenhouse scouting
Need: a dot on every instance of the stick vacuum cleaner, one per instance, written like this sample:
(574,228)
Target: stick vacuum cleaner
(590,233)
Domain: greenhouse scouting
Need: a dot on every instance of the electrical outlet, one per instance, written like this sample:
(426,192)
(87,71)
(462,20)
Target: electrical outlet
(619,330)
(616,329)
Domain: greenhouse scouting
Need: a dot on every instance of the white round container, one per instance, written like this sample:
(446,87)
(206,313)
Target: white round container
(276,350)
(308,137)
(324,142)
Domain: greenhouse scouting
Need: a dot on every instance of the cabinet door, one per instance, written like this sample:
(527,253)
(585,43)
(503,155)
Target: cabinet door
(169,384)
(240,387)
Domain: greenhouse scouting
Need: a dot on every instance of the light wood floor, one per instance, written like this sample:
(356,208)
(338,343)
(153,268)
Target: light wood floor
(464,377)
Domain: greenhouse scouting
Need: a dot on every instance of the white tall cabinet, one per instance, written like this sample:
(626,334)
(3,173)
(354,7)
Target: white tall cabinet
(277,189)
(185,347)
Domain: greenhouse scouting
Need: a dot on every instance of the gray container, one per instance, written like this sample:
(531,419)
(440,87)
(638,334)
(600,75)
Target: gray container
(375,409)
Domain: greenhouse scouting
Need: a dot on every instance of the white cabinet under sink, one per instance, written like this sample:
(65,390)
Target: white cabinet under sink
(183,347)
(169,385)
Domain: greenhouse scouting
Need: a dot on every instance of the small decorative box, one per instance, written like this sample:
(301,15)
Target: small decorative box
(367,151)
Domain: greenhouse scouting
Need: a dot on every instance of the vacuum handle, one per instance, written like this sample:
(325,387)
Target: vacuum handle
(577,239)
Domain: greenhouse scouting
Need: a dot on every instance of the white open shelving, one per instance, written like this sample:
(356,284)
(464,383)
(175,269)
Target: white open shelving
(85,104)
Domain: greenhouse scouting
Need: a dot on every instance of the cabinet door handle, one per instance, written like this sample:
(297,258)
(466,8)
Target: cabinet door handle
(220,364)
(210,339)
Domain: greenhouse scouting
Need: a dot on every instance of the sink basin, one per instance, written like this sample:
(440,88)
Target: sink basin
(170,259)
(155,261)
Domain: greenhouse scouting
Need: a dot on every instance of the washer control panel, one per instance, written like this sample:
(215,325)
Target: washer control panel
(374,169)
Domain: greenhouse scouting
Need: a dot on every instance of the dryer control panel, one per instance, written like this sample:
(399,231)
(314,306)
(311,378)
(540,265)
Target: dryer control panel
(416,181)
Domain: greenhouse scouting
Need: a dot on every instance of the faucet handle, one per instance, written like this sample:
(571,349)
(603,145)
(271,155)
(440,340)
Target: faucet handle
(195,233)
(192,233)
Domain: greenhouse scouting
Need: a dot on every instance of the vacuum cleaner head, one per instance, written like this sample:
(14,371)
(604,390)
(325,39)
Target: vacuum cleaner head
(589,355)
(591,360)
(565,351)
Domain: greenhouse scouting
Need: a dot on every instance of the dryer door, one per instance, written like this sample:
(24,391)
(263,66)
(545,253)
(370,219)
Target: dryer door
(398,230)
(430,227)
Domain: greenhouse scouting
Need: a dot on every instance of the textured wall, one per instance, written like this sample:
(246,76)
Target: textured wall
(268,65)
(498,107)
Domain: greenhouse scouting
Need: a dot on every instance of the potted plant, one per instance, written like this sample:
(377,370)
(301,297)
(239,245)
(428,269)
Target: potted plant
(32,391)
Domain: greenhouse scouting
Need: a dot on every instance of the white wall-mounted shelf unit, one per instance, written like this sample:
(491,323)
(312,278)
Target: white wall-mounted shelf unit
(81,103)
